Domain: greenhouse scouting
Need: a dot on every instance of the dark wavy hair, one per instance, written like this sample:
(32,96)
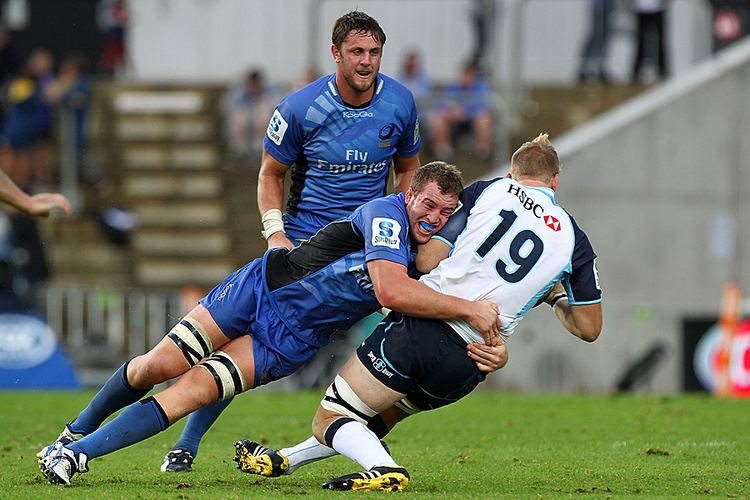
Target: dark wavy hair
(357,22)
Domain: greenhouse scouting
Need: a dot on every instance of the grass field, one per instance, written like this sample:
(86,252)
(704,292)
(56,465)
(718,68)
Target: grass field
(489,445)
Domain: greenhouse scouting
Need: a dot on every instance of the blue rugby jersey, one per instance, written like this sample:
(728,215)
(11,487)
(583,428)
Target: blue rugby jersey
(324,285)
(341,155)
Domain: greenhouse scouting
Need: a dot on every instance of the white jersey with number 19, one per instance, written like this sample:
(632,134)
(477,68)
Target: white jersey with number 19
(510,244)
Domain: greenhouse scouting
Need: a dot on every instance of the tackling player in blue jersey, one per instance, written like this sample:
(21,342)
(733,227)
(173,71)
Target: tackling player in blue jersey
(269,317)
(341,133)
(510,243)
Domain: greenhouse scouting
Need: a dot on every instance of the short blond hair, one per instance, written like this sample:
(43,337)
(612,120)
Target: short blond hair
(536,159)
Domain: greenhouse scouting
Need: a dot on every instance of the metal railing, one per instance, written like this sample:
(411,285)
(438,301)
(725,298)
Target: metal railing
(123,322)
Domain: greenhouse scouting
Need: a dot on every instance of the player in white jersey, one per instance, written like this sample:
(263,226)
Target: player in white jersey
(510,243)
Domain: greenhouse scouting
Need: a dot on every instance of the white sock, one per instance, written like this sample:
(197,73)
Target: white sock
(306,452)
(356,441)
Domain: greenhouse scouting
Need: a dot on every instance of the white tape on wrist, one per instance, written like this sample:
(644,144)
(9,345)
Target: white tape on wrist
(272,222)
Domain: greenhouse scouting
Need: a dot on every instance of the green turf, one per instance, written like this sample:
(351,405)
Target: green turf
(489,445)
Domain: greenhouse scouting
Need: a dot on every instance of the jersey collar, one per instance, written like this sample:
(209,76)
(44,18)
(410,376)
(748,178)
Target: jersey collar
(331,84)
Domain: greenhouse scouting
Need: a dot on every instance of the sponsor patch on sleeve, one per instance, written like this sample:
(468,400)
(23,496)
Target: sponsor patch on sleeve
(277,128)
(385,232)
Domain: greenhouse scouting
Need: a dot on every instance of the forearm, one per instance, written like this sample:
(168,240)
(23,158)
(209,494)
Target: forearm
(404,169)
(270,192)
(417,299)
(585,322)
(12,194)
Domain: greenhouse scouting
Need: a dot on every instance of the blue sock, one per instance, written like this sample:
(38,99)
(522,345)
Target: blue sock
(197,425)
(115,394)
(135,423)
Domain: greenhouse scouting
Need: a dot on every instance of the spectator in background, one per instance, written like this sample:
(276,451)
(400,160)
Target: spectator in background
(466,107)
(74,98)
(247,109)
(112,18)
(651,36)
(483,19)
(25,121)
(593,66)
(413,77)
(10,64)
(42,69)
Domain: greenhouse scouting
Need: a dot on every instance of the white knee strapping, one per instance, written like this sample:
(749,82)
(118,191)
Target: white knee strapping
(226,373)
(340,398)
(190,337)
(407,407)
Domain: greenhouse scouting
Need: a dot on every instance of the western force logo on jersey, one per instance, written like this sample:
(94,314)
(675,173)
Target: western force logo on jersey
(385,136)
(552,223)
(277,128)
(385,232)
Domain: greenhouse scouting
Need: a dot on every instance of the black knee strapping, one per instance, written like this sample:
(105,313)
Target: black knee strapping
(333,429)
(377,425)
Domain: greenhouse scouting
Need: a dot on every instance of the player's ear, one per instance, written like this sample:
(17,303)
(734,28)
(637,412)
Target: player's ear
(408,195)
(335,53)
(555,180)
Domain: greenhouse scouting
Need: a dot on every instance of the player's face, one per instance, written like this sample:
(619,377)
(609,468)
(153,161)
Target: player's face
(358,60)
(428,211)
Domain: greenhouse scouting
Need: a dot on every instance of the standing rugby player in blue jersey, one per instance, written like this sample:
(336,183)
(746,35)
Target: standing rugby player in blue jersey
(340,135)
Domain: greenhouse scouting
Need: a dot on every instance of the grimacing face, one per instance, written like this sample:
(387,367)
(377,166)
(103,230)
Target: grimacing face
(428,211)
(358,60)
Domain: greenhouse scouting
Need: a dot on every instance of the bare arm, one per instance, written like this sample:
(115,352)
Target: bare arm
(271,194)
(395,290)
(39,204)
(584,321)
(430,254)
(403,171)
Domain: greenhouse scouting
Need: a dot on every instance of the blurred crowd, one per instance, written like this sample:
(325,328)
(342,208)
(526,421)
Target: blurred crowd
(449,111)
(45,107)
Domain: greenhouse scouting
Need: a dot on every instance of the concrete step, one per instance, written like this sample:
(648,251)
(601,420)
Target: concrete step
(175,214)
(165,128)
(89,258)
(170,157)
(157,101)
(182,271)
(559,109)
(182,243)
(172,185)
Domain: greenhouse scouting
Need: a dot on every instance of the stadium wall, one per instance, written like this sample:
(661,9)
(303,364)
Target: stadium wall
(661,185)
(538,41)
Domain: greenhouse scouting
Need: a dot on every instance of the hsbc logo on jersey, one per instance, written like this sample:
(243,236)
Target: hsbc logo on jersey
(552,223)
(385,233)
